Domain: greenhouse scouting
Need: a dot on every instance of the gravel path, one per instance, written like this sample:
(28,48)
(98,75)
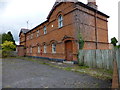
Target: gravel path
(17,73)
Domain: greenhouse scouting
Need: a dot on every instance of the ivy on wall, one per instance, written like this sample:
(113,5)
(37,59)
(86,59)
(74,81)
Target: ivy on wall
(80,41)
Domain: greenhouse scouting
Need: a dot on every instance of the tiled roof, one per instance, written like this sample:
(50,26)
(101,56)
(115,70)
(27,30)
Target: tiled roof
(23,30)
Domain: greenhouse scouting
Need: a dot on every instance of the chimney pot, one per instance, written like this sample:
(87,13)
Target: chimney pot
(92,3)
(66,0)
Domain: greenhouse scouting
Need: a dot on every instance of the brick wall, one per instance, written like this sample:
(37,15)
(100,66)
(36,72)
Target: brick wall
(20,50)
(93,28)
(75,18)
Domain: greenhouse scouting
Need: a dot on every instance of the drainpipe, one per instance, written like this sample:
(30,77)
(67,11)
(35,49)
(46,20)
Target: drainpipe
(96,35)
(25,45)
(92,4)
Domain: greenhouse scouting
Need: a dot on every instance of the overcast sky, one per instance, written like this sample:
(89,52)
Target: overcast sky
(14,14)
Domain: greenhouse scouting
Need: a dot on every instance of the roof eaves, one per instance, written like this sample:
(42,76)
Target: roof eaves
(95,10)
(53,8)
(37,26)
(24,31)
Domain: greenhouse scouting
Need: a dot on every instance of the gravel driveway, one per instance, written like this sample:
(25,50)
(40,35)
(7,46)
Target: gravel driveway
(18,73)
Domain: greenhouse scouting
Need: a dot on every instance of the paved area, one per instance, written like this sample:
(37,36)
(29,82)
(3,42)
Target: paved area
(18,73)
(0,74)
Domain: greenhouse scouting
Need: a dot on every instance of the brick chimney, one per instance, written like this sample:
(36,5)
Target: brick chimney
(66,0)
(92,3)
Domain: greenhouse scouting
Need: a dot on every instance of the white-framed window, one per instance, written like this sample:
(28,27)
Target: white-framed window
(60,21)
(30,49)
(31,36)
(38,49)
(27,37)
(45,49)
(53,48)
(38,33)
(45,30)
(27,50)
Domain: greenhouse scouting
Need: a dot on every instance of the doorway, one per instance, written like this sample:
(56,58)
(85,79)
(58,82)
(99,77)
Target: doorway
(68,50)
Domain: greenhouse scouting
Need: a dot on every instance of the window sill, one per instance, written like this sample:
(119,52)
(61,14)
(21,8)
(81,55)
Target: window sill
(60,27)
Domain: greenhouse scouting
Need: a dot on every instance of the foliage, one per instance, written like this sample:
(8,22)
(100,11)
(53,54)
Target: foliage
(8,46)
(5,53)
(114,41)
(80,41)
(117,46)
(11,37)
(0,53)
(0,41)
(5,37)
(8,54)
(81,45)
(0,38)
(8,37)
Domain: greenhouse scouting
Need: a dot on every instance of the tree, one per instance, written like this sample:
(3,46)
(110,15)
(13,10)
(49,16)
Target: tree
(118,46)
(8,37)
(11,37)
(8,46)
(0,40)
(4,37)
(114,41)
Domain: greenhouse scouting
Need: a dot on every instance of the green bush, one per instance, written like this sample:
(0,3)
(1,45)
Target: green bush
(5,54)
(7,49)
(8,46)
(8,54)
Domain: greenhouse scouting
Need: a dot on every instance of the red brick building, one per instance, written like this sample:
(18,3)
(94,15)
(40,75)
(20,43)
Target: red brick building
(57,37)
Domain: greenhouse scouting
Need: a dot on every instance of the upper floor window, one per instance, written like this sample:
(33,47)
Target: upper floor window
(45,30)
(27,37)
(38,33)
(31,36)
(45,49)
(60,21)
(53,48)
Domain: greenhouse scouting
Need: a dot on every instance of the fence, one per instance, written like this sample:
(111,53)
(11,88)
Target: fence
(118,62)
(9,54)
(97,58)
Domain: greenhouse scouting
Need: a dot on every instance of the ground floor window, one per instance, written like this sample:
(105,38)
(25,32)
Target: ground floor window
(53,48)
(27,50)
(38,49)
(30,49)
(45,51)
